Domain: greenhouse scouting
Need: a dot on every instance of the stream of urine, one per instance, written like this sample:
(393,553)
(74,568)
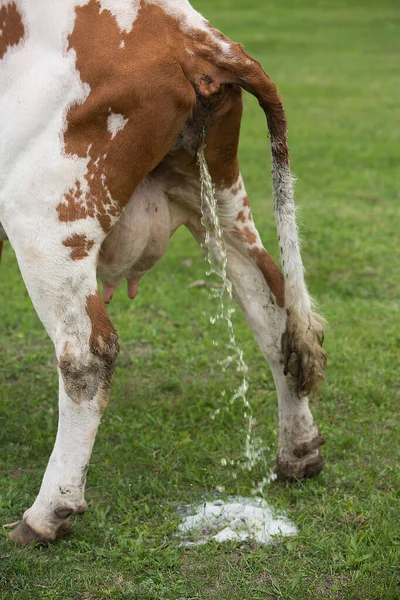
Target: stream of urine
(217,258)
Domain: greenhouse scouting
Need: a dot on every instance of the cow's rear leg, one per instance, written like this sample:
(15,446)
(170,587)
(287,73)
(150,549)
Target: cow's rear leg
(258,288)
(299,439)
(60,274)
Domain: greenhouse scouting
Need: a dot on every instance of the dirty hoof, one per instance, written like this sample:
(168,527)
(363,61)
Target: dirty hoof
(63,529)
(308,466)
(304,458)
(24,535)
(303,447)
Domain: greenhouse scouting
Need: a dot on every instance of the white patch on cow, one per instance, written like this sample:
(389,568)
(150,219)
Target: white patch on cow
(122,44)
(38,83)
(124,12)
(239,519)
(182,11)
(115,122)
(231,201)
(190,20)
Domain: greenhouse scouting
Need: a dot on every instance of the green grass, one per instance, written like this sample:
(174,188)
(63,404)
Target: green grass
(336,65)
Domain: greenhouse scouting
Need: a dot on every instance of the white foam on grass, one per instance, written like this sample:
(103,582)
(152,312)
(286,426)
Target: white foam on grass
(237,519)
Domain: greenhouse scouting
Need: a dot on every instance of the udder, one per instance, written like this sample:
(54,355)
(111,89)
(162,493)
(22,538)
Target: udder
(137,241)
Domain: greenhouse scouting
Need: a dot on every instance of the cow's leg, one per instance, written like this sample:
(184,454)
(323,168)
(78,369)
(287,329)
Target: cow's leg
(258,288)
(60,275)
(299,440)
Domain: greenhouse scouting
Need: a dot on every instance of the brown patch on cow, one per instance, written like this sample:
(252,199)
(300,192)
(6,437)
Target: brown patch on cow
(80,246)
(80,205)
(153,82)
(242,217)
(237,188)
(272,274)
(11,27)
(103,337)
(223,140)
(126,81)
(246,202)
(244,234)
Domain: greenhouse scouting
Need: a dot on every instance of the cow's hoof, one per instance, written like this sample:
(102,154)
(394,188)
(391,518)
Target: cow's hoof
(307,460)
(299,469)
(303,447)
(24,535)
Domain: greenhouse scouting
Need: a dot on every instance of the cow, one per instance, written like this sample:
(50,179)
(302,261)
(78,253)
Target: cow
(103,107)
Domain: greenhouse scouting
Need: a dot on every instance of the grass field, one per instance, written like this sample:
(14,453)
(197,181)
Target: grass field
(336,65)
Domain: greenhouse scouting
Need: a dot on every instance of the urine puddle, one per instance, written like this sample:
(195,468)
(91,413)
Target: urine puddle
(237,519)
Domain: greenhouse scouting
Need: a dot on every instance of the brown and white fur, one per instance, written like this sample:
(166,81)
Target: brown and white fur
(102,106)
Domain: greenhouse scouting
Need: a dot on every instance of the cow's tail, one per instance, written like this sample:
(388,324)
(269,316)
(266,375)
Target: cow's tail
(304,356)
